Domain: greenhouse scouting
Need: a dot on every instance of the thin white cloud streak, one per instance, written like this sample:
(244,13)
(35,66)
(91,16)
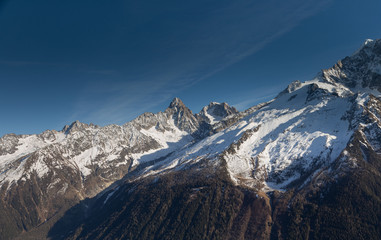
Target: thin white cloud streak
(119,103)
(257,97)
(227,36)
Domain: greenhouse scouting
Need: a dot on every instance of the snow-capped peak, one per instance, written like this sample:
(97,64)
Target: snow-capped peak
(76,126)
(360,72)
(367,43)
(215,112)
(176,102)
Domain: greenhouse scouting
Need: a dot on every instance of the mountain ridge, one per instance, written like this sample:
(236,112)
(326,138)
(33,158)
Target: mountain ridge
(310,136)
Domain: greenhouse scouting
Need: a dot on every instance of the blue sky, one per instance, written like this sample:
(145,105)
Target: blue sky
(109,61)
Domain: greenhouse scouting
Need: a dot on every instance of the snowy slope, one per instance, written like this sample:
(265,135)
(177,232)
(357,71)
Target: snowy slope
(303,131)
(91,152)
(89,148)
(298,130)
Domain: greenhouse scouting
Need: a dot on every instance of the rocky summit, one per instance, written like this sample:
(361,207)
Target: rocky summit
(305,165)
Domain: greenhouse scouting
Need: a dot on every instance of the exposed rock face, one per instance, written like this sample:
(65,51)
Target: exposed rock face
(182,116)
(8,144)
(215,112)
(361,70)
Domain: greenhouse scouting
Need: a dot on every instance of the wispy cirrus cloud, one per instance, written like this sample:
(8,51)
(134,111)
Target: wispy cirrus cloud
(256,97)
(187,50)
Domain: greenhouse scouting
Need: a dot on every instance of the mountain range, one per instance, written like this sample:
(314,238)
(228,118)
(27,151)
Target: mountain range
(305,165)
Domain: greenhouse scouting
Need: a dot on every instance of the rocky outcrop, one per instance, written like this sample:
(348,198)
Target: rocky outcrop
(361,70)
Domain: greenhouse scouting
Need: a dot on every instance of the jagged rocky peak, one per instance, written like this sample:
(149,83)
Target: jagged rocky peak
(145,120)
(361,71)
(369,47)
(215,112)
(176,103)
(293,86)
(8,143)
(48,135)
(182,116)
(76,126)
